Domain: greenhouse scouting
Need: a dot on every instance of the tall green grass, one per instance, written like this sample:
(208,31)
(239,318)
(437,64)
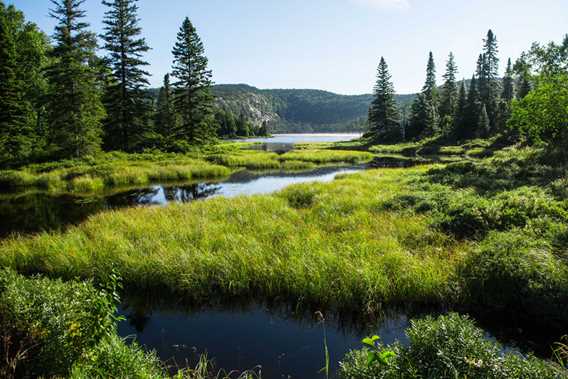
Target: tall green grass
(337,248)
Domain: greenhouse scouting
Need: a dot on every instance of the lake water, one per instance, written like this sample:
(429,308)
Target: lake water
(306,138)
(283,342)
(40,211)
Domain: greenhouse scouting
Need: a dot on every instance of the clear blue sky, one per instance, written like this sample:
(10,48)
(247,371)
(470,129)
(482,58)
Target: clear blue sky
(334,44)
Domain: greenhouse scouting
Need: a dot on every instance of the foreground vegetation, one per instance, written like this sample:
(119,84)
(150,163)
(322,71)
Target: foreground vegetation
(448,347)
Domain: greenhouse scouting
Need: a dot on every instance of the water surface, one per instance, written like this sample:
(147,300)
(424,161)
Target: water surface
(282,342)
(307,138)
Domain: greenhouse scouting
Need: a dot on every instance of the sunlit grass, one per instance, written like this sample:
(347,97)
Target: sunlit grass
(336,248)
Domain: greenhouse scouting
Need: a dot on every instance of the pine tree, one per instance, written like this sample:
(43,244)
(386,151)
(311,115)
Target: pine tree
(460,117)
(449,95)
(243,126)
(425,118)
(473,109)
(488,82)
(192,90)
(384,119)
(483,124)
(16,138)
(165,115)
(125,99)
(74,102)
(508,83)
(523,81)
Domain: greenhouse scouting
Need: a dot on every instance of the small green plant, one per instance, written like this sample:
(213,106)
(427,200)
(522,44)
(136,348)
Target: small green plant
(376,353)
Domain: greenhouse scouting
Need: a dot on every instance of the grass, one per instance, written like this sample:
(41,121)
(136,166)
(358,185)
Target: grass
(291,244)
(109,171)
(114,170)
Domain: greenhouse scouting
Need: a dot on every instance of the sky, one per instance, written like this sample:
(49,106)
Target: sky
(333,45)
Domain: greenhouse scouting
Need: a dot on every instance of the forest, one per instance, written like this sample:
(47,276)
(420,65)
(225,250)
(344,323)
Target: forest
(435,244)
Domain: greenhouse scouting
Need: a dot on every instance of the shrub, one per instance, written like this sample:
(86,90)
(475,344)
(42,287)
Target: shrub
(516,273)
(48,325)
(112,358)
(448,347)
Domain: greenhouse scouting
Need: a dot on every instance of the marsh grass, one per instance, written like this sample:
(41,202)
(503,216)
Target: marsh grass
(292,245)
(327,156)
(109,171)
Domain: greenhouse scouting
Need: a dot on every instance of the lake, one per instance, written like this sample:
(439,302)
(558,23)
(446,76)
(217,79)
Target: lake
(306,138)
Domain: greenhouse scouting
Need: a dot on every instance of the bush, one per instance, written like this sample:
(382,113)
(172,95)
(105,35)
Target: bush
(112,358)
(516,273)
(448,347)
(48,325)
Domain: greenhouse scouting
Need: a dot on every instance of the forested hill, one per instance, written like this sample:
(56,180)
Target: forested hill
(298,110)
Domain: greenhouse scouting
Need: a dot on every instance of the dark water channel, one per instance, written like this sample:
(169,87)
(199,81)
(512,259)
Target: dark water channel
(279,341)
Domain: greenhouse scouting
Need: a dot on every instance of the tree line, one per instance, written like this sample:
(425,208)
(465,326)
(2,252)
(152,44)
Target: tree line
(484,106)
(61,100)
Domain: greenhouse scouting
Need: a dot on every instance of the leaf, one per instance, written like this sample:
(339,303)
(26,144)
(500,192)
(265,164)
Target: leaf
(371,358)
(371,341)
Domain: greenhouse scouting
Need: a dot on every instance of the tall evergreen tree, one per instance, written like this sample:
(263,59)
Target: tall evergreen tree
(193,98)
(126,101)
(523,76)
(449,95)
(508,83)
(74,102)
(473,109)
(460,116)
(384,118)
(16,138)
(165,115)
(483,124)
(425,119)
(488,82)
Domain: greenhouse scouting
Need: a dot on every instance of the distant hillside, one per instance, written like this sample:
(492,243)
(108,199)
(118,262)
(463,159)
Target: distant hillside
(298,110)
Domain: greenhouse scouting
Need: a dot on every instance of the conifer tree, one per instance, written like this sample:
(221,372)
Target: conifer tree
(15,135)
(165,115)
(74,102)
(425,119)
(523,81)
(483,124)
(508,83)
(488,83)
(460,116)
(473,109)
(449,95)
(125,99)
(193,98)
(384,118)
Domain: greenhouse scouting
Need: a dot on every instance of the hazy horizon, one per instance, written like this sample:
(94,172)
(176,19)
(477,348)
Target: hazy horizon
(333,45)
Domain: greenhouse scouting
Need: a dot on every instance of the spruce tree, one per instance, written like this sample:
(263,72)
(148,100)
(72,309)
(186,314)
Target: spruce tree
(15,135)
(449,95)
(165,115)
(126,101)
(460,116)
(508,84)
(483,124)
(384,119)
(193,98)
(473,110)
(523,81)
(425,119)
(488,82)
(74,102)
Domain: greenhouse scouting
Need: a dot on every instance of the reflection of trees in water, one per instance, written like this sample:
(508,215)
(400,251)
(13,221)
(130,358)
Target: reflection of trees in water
(38,212)
(189,193)
(347,322)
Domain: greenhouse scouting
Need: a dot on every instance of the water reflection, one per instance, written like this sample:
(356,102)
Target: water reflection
(39,211)
(285,342)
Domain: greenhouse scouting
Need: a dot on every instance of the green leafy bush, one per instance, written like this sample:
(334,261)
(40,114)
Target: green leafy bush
(447,347)
(47,325)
